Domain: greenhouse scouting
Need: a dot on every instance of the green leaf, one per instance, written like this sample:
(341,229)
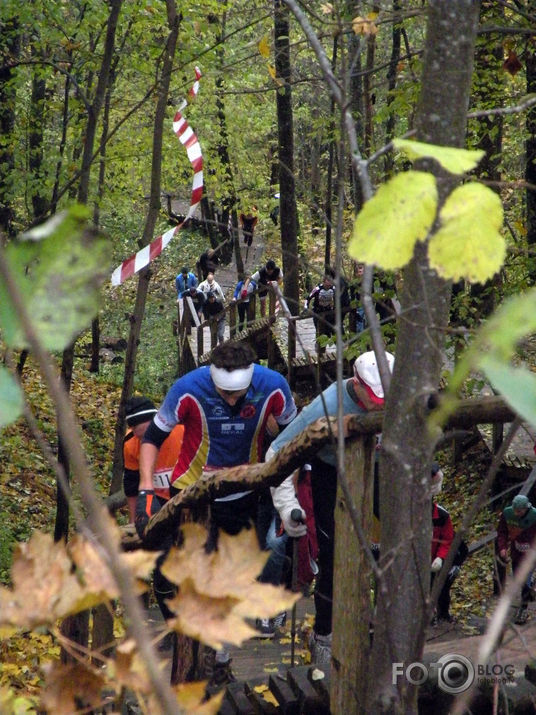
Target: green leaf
(468,243)
(11,399)
(394,219)
(457,161)
(516,384)
(58,273)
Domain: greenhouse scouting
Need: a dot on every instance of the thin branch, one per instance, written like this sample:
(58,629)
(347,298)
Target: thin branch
(528,102)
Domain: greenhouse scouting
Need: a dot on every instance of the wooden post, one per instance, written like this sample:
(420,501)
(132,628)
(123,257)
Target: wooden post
(351,583)
(269,337)
(232,319)
(252,307)
(200,341)
(213,333)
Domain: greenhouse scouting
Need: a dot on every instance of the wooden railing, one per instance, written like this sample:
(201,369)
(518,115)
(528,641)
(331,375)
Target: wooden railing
(189,320)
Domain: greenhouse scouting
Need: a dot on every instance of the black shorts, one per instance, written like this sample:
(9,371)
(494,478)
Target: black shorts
(131,482)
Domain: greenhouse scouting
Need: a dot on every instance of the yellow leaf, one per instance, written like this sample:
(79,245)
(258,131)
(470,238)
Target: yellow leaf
(191,698)
(453,159)
(260,688)
(264,47)
(468,243)
(327,8)
(270,670)
(270,698)
(364,26)
(372,15)
(390,223)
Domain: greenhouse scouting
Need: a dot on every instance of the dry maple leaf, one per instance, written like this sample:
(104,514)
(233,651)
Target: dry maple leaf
(62,694)
(51,581)
(208,619)
(129,670)
(218,590)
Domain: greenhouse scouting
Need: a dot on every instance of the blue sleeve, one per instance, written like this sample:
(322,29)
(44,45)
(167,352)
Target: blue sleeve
(237,289)
(307,416)
(178,284)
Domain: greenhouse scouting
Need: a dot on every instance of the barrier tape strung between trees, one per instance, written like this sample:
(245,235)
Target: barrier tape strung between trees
(189,140)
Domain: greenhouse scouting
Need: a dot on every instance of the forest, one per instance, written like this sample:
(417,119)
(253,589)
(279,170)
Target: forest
(397,135)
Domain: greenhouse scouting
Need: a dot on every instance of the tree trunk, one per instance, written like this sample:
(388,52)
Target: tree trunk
(331,162)
(9,51)
(289,239)
(407,446)
(40,204)
(144,276)
(390,124)
(229,200)
(530,156)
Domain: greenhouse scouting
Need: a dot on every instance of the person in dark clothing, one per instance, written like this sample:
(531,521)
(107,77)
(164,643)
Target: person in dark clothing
(248,222)
(321,301)
(198,299)
(269,274)
(211,309)
(207,262)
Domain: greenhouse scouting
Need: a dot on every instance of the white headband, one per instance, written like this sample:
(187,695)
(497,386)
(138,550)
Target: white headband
(152,411)
(231,380)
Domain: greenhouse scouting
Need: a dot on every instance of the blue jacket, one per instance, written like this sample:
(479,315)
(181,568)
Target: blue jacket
(182,284)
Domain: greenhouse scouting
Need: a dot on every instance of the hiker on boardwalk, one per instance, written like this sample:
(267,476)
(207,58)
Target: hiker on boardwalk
(214,307)
(186,279)
(241,297)
(198,299)
(516,532)
(248,221)
(321,302)
(224,409)
(210,285)
(362,393)
(270,274)
(207,262)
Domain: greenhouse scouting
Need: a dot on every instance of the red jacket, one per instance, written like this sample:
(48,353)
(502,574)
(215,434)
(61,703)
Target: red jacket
(443,532)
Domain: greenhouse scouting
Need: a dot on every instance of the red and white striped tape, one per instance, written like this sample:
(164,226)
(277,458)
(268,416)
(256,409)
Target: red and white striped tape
(189,140)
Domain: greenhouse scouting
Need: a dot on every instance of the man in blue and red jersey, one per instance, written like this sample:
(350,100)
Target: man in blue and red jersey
(224,409)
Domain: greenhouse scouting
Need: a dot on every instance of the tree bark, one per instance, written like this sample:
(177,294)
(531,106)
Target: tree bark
(288,217)
(9,51)
(530,153)
(408,445)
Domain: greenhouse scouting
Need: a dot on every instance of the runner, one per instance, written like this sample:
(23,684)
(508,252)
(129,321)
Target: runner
(224,409)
